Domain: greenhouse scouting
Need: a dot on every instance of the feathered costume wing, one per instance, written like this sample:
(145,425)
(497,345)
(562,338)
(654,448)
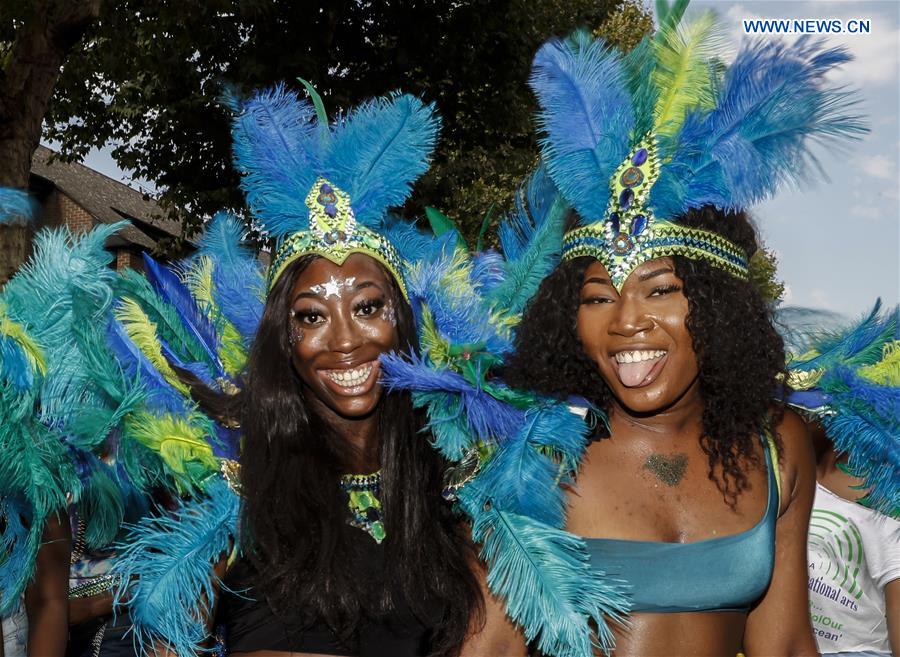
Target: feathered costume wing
(849,379)
(92,407)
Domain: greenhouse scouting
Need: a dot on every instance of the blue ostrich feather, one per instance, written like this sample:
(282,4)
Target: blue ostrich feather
(486,416)
(586,116)
(166,565)
(844,386)
(15,368)
(183,345)
(279,147)
(487,270)
(170,287)
(773,101)
(135,365)
(412,243)
(874,451)
(443,284)
(545,577)
(238,278)
(531,239)
(16,206)
(379,150)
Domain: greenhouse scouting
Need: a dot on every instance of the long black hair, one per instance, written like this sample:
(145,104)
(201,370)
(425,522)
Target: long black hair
(740,354)
(305,559)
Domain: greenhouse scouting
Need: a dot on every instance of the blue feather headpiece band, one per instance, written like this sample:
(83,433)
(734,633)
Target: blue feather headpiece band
(324,189)
(634,141)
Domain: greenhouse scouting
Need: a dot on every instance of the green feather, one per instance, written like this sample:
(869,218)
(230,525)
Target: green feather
(143,334)
(321,114)
(199,280)
(885,372)
(683,75)
(182,444)
(169,327)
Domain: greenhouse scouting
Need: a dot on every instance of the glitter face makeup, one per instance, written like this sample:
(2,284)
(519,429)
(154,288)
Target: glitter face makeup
(389,313)
(334,287)
(296,333)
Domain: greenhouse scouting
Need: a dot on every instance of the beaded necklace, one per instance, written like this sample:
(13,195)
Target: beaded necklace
(365,507)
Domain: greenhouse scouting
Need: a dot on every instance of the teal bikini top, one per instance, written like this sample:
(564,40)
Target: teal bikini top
(727,573)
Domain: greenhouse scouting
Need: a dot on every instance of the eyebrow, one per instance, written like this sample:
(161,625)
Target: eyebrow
(656,272)
(598,280)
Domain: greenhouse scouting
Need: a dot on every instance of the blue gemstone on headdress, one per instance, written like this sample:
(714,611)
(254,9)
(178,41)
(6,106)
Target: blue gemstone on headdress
(639,157)
(625,198)
(614,222)
(325,188)
(331,209)
(638,224)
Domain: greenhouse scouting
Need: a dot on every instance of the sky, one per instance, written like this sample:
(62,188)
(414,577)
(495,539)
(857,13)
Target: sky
(837,242)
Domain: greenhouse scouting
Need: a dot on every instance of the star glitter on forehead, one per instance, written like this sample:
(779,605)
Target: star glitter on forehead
(333,287)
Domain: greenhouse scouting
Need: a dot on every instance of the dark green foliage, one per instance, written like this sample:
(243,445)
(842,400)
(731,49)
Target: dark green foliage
(150,73)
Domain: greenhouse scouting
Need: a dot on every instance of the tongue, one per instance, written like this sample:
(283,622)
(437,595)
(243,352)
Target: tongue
(631,374)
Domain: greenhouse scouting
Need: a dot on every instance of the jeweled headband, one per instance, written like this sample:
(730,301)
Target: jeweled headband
(324,189)
(334,234)
(631,235)
(632,142)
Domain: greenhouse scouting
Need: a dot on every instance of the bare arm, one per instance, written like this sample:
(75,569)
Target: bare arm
(46,598)
(892,611)
(95,606)
(786,603)
(496,636)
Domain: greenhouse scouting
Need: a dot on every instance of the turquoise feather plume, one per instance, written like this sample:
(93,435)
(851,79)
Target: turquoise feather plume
(531,239)
(165,567)
(16,206)
(545,576)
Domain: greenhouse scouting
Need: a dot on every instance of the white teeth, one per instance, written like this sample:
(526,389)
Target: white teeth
(350,378)
(638,356)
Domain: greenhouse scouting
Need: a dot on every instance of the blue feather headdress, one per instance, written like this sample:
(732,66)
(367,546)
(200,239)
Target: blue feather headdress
(635,141)
(322,188)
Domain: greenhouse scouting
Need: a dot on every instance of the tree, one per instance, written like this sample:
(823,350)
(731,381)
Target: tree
(35,38)
(151,73)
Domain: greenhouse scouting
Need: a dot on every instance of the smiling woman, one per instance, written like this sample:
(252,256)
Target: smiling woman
(346,545)
(697,490)
(315,414)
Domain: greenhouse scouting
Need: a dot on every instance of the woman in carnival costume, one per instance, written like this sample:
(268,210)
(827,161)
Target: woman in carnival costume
(696,492)
(342,543)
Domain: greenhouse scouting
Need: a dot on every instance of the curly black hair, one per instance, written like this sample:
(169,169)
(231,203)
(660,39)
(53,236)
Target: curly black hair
(740,354)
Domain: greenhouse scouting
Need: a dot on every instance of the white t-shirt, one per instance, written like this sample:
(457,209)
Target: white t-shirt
(853,553)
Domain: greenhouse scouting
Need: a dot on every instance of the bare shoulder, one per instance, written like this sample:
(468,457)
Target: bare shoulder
(798,459)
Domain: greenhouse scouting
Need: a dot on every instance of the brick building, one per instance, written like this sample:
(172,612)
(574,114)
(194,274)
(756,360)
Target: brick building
(76,196)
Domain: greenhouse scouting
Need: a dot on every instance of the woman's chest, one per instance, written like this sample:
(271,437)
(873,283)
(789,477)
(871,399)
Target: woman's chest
(661,494)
